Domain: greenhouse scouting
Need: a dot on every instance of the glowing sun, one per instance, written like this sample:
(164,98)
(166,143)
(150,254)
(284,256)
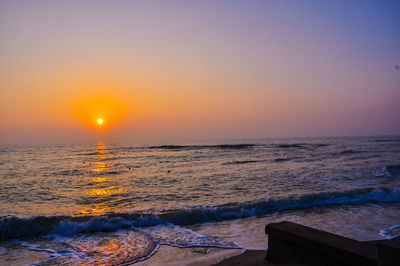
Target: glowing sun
(100,113)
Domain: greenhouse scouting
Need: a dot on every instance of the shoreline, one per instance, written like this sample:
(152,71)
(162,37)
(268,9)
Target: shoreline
(362,223)
(250,234)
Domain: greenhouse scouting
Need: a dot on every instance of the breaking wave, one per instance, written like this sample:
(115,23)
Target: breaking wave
(14,227)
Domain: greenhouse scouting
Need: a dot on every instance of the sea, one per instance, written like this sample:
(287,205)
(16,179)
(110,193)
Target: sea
(189,203)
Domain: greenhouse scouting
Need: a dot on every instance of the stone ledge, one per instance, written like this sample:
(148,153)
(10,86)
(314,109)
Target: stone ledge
(291,242)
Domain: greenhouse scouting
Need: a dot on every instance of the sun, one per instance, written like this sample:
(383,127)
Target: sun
(100,113)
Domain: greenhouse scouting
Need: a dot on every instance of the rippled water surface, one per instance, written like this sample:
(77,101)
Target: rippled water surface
(153,192)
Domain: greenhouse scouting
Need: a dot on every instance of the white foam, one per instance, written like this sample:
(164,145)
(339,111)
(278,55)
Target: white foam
(123,246)
(178,236)
(391,232)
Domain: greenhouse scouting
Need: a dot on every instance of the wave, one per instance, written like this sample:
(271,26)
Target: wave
(76,172)
(224,146)
(239,146)
(277,160)
(392,170)
(321,145)
(280,160)
(106,173)
(388,170)
(72,172)
(101,152)
(110,159)
(191,147)
(299,145)
(386,140)
(350,152)
(14,227)
(92,153)
(243,162)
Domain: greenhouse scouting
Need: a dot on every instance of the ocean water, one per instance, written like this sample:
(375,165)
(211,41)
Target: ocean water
(120,204)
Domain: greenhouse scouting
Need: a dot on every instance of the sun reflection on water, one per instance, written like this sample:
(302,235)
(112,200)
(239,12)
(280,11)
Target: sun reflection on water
(100,166)
(102,187)
(101,179)
(109,191)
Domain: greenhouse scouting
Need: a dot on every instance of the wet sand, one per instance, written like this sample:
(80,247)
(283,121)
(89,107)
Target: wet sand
(168,256)
(251,258)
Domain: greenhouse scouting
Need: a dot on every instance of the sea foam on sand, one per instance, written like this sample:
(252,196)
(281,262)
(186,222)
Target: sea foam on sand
(359,222)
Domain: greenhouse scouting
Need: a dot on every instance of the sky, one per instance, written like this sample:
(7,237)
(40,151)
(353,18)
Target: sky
(191,70)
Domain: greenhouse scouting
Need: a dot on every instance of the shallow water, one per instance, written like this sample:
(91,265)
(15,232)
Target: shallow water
(120,203)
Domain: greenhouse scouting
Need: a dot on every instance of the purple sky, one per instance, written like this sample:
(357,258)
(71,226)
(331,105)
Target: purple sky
(199,69)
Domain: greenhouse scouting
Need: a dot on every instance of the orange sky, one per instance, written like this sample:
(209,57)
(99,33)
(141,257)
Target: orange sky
(206,70)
